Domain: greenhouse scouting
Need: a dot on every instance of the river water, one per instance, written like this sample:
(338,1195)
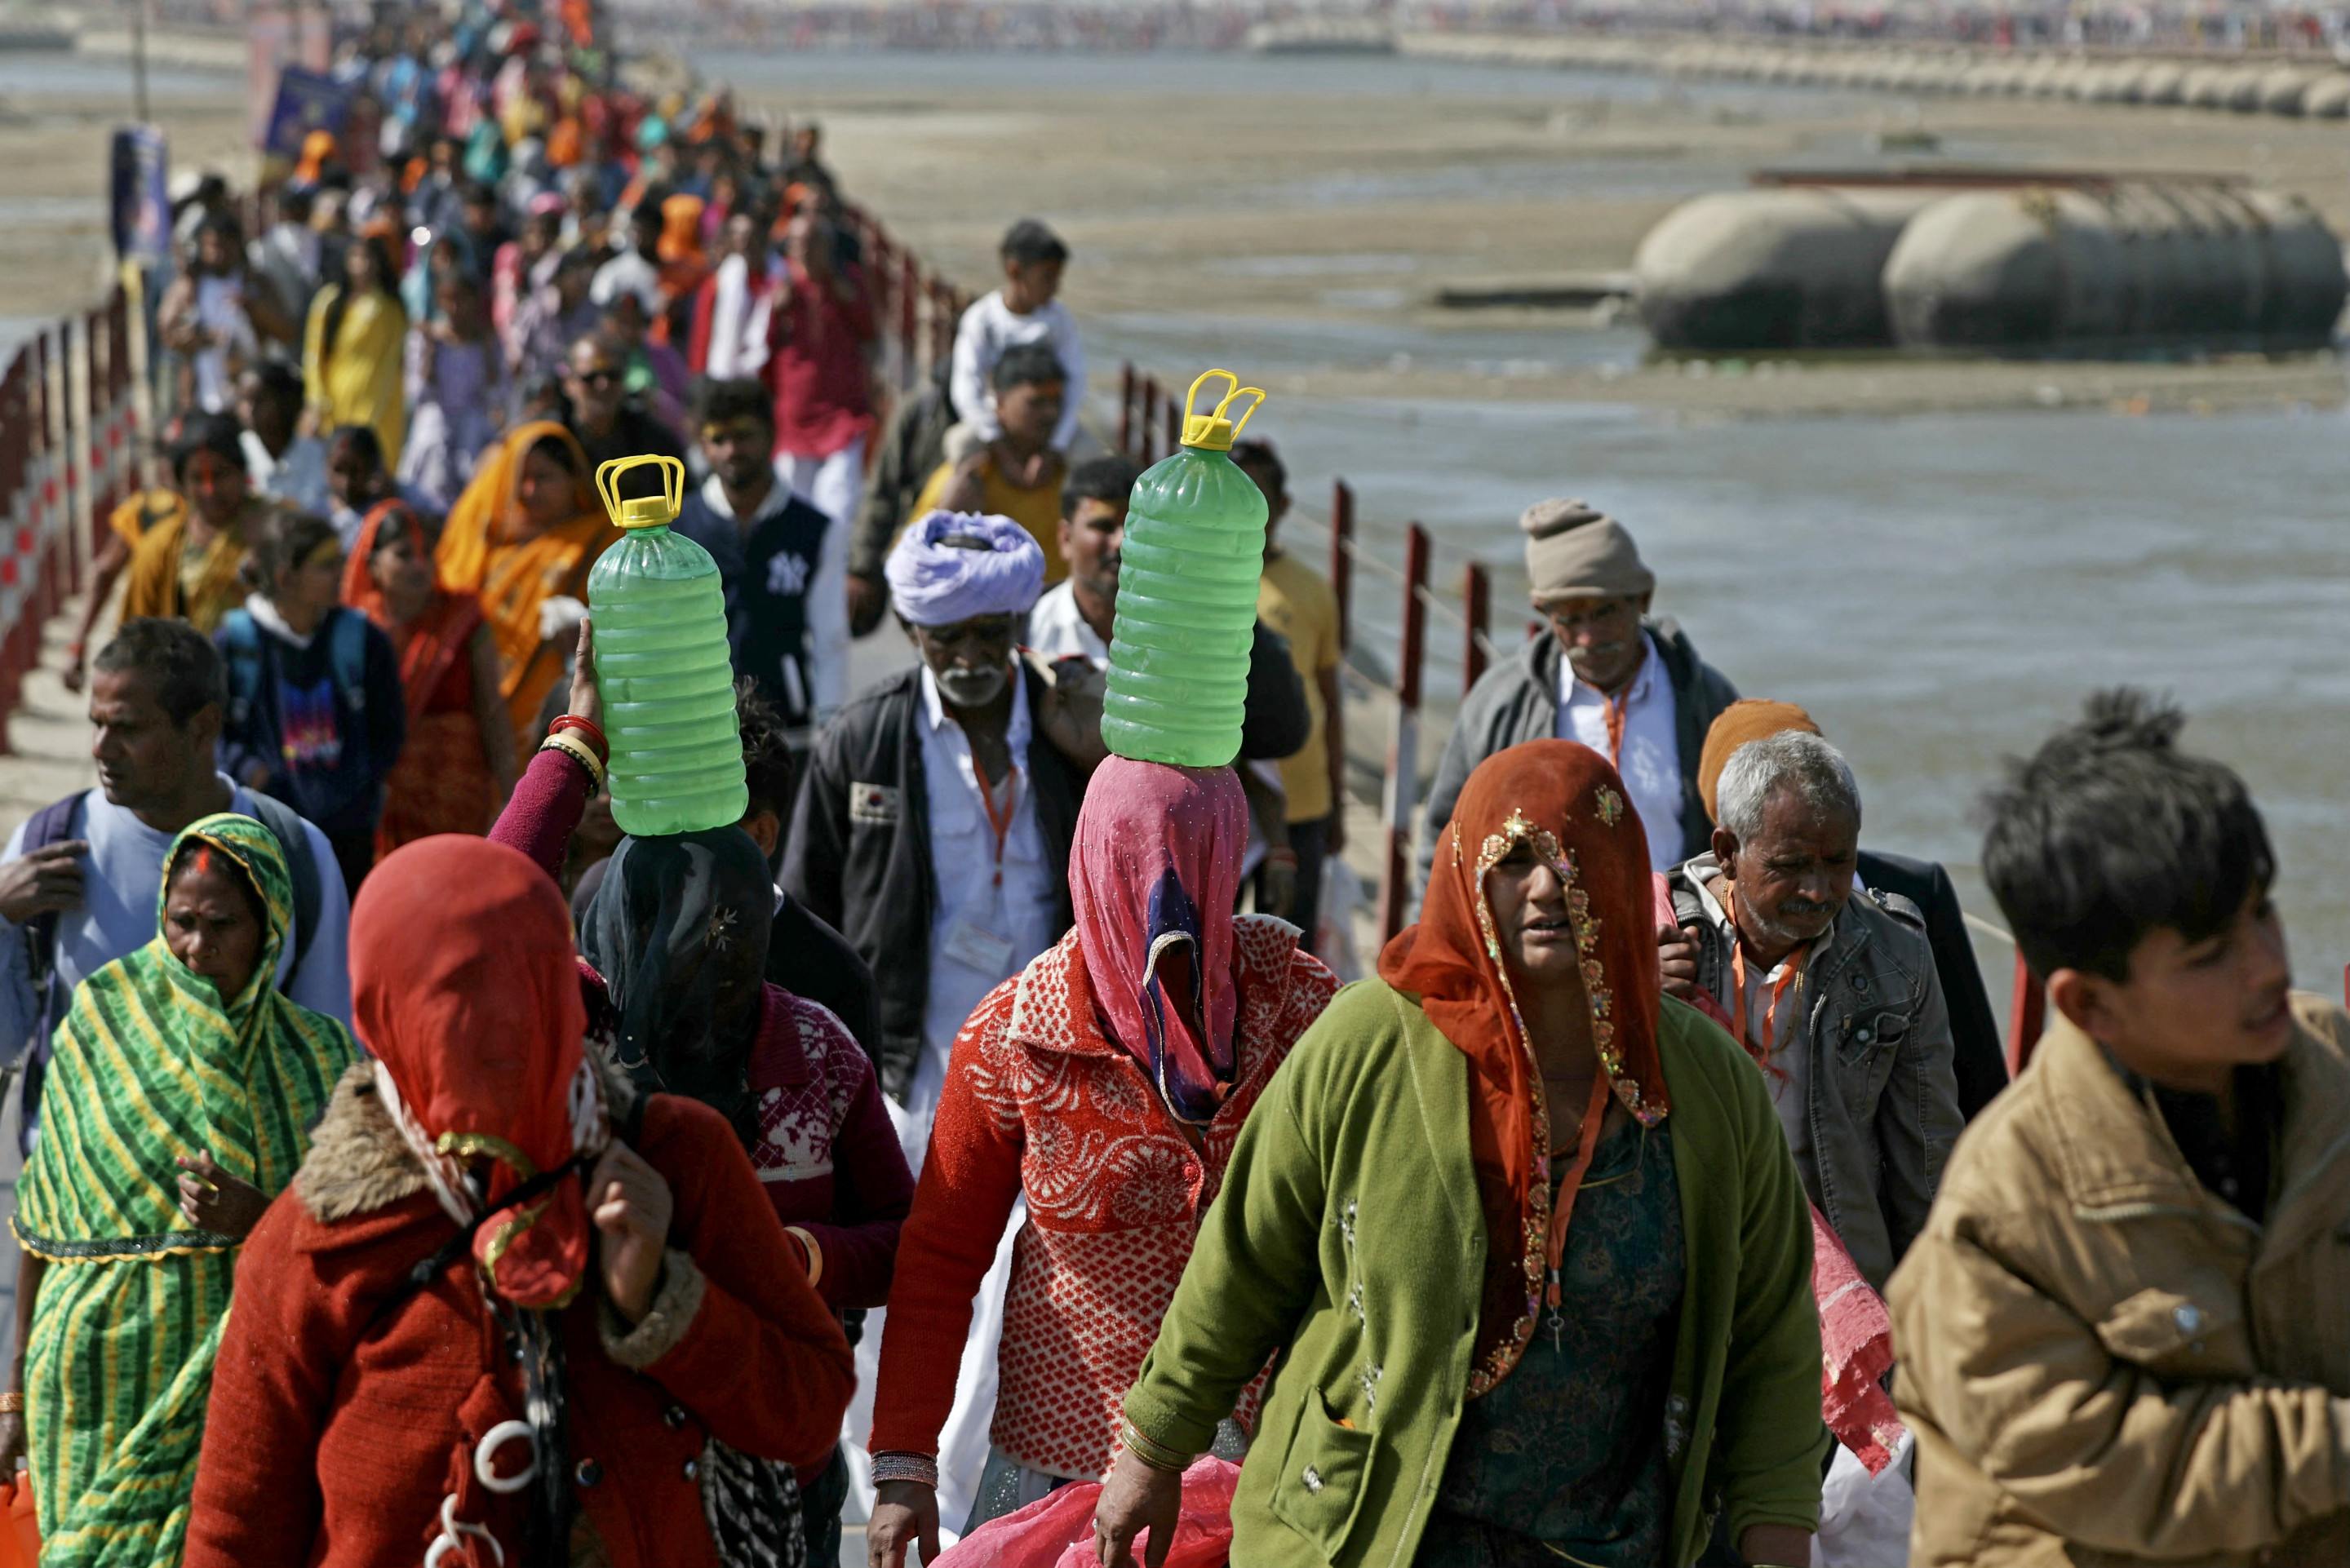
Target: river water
(1940,590)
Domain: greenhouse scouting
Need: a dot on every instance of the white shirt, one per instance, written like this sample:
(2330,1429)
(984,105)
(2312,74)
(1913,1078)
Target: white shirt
(982,930)
(122,881)
(220,311)
(1651,763)
(989,328)
(738,322)
(1057,629)
(297,476)
(627,273)
(824,603)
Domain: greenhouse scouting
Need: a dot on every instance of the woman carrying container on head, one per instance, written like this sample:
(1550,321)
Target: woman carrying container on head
(1524,1234)
(524,533)
(179,1104)
(508,1300)
(1106,1084)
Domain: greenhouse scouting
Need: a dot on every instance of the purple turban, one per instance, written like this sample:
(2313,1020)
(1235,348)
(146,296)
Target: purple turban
(932,582)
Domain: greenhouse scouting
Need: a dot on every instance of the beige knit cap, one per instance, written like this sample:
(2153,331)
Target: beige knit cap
(1574,551)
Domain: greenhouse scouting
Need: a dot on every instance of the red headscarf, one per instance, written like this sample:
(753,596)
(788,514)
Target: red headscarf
(465,986)
(1565,802)
(1157,859)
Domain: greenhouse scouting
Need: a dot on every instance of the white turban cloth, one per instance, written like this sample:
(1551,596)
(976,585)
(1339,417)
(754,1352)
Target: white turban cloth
(932,582)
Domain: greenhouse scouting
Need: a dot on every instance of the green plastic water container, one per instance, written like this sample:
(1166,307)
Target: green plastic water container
(663,666)
(1187,585)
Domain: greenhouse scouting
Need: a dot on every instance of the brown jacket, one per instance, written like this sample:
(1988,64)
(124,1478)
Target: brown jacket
(2104,1363)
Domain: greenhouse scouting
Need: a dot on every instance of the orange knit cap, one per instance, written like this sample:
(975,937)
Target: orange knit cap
(1752,719)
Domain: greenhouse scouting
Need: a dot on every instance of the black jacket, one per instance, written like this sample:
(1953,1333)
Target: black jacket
(859,855)
(1978,1055)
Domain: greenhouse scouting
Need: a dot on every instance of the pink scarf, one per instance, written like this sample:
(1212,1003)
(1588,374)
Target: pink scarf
(1152,877)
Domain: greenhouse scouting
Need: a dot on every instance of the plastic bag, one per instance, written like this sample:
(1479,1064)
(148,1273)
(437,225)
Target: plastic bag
(1865,1518)
(20,1537)
(1058,1531)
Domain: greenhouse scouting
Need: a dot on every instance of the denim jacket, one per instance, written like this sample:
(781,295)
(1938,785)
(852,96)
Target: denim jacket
(1882,1098)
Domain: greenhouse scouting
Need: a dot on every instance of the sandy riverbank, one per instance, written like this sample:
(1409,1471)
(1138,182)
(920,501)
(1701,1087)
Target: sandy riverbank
(1346,213)
(1337,201)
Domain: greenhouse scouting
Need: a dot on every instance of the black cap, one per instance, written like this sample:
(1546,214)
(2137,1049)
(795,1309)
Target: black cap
(1030,241)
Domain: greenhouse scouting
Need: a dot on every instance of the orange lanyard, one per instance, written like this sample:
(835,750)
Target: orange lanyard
(1614,709)
(1000,827)
(1759,1050)
(1562,1209)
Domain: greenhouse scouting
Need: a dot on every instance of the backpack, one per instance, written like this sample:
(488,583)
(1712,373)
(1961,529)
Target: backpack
(239,646)
(57,822)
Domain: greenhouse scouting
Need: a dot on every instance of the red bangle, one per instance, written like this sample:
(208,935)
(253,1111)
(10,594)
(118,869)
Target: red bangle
(588,731)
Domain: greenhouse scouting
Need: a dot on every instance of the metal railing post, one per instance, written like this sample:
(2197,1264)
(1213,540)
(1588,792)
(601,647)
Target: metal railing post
(1342,558)
(1476,592)
(1403,750)
(1126,407)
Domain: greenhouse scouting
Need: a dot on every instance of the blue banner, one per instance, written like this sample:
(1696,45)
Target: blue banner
(307,102)
(141,204)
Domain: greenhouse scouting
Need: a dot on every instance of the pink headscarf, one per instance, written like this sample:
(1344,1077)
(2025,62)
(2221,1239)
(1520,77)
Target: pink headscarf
(1152,877)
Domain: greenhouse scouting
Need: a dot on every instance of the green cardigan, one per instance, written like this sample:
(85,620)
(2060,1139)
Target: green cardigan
(1349,1238)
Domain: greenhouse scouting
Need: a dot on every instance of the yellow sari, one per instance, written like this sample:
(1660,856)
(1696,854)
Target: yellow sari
(167,577)
(480,553)
(363,381)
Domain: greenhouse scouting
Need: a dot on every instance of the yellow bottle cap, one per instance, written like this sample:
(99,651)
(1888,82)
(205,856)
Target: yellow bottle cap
(642,511)
(1212,432)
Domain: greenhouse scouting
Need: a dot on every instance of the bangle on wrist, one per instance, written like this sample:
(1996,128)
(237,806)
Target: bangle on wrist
(900,1466)
(1157,1455)
(578,753)
(572,723)
(12,1403)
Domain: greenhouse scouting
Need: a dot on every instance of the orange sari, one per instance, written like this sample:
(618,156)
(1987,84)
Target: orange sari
(442,783)
(483,553)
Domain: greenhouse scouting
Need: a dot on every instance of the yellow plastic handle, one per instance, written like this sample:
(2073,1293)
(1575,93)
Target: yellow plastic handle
(672,495)
(1240,423)
(1202,380)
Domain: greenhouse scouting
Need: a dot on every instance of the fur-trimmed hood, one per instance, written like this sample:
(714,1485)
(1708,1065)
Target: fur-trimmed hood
(357,1161)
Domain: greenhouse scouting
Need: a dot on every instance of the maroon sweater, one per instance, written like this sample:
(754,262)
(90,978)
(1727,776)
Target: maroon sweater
(827,1155)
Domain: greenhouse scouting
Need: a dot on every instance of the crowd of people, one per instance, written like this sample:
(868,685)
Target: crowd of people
(417,1164)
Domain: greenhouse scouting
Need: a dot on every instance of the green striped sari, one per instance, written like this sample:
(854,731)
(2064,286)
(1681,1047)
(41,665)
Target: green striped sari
(149,1067)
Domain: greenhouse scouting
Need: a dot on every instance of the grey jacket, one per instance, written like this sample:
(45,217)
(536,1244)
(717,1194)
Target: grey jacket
(1883,1098)
(1517,700)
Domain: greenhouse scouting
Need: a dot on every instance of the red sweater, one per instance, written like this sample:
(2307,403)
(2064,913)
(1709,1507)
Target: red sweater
(336,1429)
(1039,1103)
(817,365)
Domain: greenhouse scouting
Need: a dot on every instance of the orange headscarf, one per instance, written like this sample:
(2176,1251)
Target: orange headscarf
(1565,802)
(316,147)
(481,552)
(1748,719)
(681,238)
